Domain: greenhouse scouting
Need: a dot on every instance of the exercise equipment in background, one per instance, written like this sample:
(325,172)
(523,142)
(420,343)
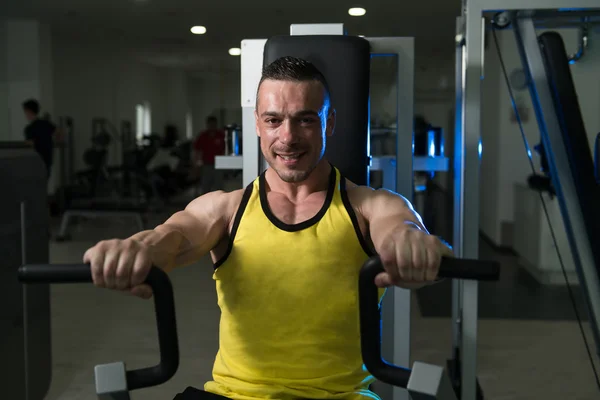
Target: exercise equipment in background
(25,328)
(101,190)
(233,140)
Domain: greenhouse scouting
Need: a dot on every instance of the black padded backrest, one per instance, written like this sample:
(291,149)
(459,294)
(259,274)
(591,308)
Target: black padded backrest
(574,136)
(345,63)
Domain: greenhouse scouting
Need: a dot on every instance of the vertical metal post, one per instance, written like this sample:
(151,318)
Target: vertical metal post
(401,316)
(25,305)
(466,227)
(459,179)
(396,315)
(252,62)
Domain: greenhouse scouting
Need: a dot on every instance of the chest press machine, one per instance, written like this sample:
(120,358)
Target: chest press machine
(113,381)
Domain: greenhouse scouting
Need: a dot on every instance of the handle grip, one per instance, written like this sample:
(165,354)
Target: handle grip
(164,305)
(370,318)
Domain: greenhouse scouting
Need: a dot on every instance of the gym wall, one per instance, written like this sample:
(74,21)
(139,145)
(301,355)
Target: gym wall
(94,80)
(25,72)
(504,161)
(215,93)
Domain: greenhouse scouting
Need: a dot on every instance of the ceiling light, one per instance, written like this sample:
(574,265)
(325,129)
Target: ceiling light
(361,35)
(235,51)
(357,11)
(198,30)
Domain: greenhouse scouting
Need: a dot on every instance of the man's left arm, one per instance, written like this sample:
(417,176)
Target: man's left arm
(409,254)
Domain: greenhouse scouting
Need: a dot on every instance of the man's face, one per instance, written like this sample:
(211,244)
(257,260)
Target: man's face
(211,124)
(293,121)
(29,115)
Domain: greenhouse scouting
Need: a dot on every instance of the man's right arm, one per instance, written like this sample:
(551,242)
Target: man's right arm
(190,234)
(182,239)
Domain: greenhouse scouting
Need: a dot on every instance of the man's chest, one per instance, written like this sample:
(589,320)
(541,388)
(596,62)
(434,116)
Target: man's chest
(290,212)
(297,212)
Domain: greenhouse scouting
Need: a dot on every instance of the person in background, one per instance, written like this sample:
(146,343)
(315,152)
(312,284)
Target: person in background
(209,144)
(164,153)
(39,133)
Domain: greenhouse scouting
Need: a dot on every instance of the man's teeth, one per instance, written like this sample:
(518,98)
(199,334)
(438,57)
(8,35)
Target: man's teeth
(293,157)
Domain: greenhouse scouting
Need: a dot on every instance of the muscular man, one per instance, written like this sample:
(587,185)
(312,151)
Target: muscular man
(287,251)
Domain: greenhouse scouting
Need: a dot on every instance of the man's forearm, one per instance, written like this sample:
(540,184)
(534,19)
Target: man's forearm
(165,245)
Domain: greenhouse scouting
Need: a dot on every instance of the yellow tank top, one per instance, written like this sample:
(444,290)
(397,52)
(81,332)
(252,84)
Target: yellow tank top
(289,303)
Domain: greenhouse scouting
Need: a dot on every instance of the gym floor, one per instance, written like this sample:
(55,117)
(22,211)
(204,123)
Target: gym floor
(529,343)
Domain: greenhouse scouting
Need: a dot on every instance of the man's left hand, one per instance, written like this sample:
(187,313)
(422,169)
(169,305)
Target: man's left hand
(411,258)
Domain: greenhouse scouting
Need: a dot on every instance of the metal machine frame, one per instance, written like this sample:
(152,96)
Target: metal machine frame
(469,72)
(559,163)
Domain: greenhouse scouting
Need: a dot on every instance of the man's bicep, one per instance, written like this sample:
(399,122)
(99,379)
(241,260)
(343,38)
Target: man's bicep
(386,209)
(203,222)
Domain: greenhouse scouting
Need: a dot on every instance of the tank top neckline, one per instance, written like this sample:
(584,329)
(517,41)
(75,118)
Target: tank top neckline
(304,224)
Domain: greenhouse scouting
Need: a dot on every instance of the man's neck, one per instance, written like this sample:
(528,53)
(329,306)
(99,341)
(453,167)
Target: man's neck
(317,181)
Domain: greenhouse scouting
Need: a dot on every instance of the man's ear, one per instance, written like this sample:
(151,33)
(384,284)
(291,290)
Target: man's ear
(330,128)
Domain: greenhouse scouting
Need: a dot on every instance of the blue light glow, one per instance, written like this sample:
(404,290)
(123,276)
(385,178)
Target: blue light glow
(431,143)
(480,148)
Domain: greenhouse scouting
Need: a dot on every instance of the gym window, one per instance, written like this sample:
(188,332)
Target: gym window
(189,126)
(143,120)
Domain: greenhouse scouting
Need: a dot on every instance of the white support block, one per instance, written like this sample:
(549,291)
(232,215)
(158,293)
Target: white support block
(229,162)
(252,64)
(316,29)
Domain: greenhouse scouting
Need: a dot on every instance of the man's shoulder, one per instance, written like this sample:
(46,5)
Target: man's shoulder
(358,195)
(366,199)
(219,200)
(359,191)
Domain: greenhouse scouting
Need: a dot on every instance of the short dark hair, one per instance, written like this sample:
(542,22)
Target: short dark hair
(295,70)
(32,105)
(211,118)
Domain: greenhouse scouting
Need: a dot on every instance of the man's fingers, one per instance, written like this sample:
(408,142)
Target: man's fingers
(142,291)
(96,260)
(419,260)
(433,263)
(141,268)
(383,280)
(123,272)
(111,261)
(403,262)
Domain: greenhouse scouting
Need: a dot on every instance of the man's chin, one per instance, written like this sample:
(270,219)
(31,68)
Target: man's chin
(291,175)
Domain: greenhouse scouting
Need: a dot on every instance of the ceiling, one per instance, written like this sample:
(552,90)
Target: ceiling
(158,31)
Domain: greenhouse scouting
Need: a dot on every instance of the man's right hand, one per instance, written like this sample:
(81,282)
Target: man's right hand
(121,265)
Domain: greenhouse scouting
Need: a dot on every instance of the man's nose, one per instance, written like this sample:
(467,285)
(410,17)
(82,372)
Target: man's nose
(287,132)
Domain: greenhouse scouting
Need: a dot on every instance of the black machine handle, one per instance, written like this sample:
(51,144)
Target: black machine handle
(164,305)
(370,318)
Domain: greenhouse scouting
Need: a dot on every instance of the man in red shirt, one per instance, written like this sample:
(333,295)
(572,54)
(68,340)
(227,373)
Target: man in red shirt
(209,144)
